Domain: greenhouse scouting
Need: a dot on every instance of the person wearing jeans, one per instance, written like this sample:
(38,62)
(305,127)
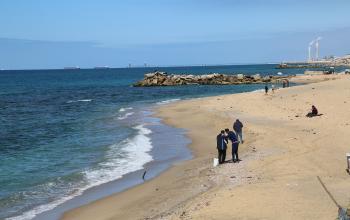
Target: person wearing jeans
(237,127)
(221,145)
(233,138)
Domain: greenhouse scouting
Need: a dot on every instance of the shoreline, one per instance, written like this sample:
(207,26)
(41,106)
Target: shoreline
(196,187)
(197,160)
(55,209)
(162,159)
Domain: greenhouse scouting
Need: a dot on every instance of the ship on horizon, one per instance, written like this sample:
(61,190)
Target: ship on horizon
(72,68)
(101,67)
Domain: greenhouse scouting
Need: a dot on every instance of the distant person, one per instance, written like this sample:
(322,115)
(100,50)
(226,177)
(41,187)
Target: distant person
(237,127)
(284,84)
(266,89)
(230,135)
(314,112)
(221,145)
(273,88)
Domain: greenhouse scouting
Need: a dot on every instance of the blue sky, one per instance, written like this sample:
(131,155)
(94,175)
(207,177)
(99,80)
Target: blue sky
(87,33)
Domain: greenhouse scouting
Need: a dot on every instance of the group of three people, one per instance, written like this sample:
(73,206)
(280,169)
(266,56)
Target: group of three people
(225,136)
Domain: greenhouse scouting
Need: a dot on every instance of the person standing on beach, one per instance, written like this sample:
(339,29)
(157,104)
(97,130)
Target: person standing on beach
(237,127)
(221,145)
(233,138)
(266,89)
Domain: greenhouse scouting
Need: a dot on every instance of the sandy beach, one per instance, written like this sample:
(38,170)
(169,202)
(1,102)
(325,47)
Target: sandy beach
(282,155)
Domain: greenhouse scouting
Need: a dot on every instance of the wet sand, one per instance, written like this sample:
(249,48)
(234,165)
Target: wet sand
(282,154)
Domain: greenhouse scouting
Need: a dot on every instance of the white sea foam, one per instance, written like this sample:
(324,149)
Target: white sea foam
(80,100)
(135,156)
(124,109)
(258,90)
(167,101)
(125,116)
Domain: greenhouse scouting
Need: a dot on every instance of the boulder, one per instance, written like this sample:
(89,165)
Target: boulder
(257,77)
(240,76)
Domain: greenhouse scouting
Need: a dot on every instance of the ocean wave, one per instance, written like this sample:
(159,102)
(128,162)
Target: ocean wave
(167,101)
(135,156)
(80,100)
(125,109)
(125,116)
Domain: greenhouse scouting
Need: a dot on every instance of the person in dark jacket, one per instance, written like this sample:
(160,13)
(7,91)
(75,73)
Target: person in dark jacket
(221,145)
(230,135)
(237,127)
(314,112)
(266,89)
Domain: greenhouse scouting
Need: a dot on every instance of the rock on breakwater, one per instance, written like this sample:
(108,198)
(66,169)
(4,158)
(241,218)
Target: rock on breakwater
(163,79)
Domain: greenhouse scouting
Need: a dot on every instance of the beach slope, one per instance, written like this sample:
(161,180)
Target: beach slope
(282,155)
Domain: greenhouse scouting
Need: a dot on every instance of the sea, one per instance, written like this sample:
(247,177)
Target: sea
(71,136)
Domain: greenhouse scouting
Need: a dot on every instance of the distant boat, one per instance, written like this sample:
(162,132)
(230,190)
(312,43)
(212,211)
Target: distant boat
(101,67)
(72,68)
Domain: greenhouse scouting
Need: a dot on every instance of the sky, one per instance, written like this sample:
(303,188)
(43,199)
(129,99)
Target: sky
(38,34)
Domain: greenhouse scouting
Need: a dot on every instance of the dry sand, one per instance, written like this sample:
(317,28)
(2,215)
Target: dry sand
(282,154)
(305,79)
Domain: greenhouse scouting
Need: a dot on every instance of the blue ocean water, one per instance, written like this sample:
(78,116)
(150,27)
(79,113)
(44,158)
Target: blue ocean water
(64,131)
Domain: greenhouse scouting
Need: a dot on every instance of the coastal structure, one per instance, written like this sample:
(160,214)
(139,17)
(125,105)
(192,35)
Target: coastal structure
(324,63)
(163,79)
(314,60)
(315,42)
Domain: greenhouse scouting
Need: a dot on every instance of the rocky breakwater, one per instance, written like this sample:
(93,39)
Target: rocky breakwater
(163,79)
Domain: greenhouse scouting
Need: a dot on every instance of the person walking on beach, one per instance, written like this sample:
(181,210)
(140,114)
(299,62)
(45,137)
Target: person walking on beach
(233,138)
(237,127)
(266,89)
(221,145)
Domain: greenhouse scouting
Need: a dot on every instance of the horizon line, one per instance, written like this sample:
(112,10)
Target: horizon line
(139,66)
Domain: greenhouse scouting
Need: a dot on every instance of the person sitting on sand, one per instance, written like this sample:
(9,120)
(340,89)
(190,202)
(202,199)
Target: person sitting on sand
(221,145)
(230,135)
(237,127)
(314,112)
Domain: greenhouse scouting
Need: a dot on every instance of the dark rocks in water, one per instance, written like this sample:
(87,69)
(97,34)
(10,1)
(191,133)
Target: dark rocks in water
(163,79)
